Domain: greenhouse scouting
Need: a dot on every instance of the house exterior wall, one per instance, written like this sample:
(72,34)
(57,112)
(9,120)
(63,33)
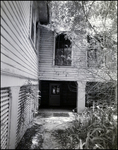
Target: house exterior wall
(47,69)
(78,71)
(18,58)
(18,66)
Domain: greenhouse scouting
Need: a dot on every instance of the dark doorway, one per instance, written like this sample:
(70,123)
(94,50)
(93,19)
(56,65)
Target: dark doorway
(54,95)
(58,94)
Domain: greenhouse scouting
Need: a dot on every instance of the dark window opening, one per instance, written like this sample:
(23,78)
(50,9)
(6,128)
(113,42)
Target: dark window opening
(33,27)
(92,52)
(63,50)
(92,57)
(32,31)
(55,90)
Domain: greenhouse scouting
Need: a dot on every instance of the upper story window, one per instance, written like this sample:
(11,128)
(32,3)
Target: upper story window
(33,26)
(101,52)
(63,49)
(91,52)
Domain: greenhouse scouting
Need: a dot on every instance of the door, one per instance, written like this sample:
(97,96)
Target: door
(54,99)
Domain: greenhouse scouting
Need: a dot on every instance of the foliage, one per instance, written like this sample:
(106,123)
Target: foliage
(91,130)
(98,19)
(99,16)
(28,96)
(98,93)
(31,91)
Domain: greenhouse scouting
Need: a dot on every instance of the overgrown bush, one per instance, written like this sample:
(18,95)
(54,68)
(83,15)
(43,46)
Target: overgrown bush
(91,130)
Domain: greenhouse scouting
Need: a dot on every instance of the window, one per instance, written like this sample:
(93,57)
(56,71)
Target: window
(55,90)
(63,50)
(91,52)
(92,57)
(32,29)
(33,25)
(97,52)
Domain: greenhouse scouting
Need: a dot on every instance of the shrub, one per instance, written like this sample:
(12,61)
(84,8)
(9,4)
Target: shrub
(91,130)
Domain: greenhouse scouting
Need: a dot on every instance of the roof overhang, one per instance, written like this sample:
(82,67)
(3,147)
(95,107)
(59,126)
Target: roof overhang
(42,11)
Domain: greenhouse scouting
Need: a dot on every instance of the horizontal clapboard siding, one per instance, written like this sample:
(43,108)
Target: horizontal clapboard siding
(47,71)
(4,115)
(17,54)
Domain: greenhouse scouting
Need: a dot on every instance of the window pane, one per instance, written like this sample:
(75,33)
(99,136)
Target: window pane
(32,32)
(63,51)
(92,58)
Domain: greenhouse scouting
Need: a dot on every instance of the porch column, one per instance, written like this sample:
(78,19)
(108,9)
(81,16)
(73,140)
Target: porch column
(13,119)
(81,96)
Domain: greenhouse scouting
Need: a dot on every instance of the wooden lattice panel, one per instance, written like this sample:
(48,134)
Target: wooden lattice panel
(4,115)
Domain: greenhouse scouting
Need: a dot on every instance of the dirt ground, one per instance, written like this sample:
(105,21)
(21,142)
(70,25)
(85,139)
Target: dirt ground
(40,134)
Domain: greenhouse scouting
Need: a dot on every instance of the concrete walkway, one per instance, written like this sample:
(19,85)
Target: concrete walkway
(39,135)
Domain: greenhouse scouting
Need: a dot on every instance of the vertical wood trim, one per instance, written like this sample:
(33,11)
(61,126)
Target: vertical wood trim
(81,96)
(38,46)
(14,112)
(54,49)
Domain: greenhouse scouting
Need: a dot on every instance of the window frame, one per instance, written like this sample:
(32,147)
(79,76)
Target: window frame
(54,53)
(33,19)
(94,51)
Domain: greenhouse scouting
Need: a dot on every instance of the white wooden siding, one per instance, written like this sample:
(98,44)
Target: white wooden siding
(17,55)
(47,69)
(77,72)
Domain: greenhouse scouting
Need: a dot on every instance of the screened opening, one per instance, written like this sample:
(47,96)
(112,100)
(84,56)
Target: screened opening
(98,93)
(63,50)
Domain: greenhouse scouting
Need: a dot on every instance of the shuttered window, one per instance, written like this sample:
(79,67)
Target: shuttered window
(4,115)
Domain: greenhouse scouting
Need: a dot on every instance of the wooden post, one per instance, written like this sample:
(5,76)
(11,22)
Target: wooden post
(13,119)
(81,96)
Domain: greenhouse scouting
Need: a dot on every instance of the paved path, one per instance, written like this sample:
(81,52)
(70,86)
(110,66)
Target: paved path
(39,135)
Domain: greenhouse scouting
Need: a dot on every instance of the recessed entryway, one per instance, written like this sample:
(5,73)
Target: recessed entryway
(54,94)
(58,94)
